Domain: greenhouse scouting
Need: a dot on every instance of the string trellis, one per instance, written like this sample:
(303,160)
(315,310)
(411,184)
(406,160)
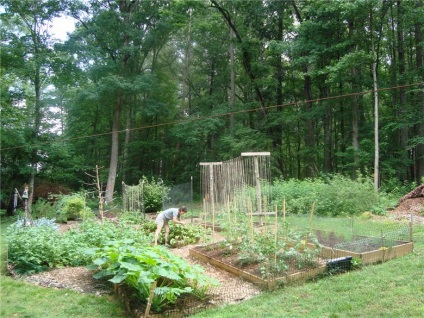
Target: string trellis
(242,182)
(133,197)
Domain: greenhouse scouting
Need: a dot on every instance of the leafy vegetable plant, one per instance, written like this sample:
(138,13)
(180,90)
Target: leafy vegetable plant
(140,266)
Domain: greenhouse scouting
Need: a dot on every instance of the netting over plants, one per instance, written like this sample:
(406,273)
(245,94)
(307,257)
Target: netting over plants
(177,195)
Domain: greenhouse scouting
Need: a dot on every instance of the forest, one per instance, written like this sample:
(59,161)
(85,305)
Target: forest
(153,88)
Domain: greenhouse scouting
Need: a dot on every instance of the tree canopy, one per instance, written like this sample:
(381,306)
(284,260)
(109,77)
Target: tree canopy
(152,88)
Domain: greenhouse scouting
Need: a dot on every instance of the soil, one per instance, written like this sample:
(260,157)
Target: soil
(407,208)
(231,289)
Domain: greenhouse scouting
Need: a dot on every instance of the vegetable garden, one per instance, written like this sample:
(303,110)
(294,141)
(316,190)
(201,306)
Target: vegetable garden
(268,248)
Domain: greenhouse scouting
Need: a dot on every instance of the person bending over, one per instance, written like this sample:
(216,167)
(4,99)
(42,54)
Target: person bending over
(162,220)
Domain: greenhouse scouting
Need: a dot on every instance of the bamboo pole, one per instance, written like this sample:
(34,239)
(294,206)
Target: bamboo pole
(284,218)
(251,221)
(275,235)
(149,303)
(204,211)
(229,217)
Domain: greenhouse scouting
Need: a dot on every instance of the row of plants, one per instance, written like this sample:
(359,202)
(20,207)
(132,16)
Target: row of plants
(335,195)
(40,246)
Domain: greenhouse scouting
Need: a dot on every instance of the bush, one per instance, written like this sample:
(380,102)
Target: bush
(43,209)
(138,266)
(152,194)
(72,207)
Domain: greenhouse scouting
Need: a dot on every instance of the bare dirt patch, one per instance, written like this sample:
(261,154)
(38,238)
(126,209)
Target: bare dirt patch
(409,208)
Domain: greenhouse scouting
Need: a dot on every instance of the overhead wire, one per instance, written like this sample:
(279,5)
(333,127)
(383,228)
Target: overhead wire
(189,120)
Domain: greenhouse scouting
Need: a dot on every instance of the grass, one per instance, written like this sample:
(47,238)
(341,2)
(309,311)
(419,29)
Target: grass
(391,289)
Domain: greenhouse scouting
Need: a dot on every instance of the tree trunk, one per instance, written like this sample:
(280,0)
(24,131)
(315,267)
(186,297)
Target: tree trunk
(310,131)
(403,133)
(420,95)
(232,83)
(327,132)
(113,165)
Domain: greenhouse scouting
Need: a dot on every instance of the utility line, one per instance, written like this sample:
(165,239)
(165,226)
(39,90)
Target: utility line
(184,121)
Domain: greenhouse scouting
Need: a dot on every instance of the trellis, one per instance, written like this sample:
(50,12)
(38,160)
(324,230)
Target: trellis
(133,197)
(243,183)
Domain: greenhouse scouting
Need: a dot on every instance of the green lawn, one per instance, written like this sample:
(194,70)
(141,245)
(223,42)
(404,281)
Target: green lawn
(391,289)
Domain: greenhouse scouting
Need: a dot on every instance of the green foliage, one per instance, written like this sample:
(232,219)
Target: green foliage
(333,196)
(36,248)
(138,266)
(290,248)
(39,247)
(43,208)
(72,207)
(179,235)
(95,234)
(152,193)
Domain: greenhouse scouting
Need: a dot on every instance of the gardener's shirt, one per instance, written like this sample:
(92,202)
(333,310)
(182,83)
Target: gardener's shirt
(170,214)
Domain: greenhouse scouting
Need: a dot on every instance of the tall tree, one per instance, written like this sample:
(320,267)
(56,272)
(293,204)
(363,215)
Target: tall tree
(29,23)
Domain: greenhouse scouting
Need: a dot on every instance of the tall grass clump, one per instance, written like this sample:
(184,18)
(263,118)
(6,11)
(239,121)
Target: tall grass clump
(334,195)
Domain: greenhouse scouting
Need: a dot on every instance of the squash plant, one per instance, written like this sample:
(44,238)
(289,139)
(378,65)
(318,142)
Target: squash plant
(138,266)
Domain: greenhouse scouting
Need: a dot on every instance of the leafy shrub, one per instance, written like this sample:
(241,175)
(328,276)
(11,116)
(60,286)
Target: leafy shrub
(152,194)
(72,207)
(140,266)
(333,196)
(43,209)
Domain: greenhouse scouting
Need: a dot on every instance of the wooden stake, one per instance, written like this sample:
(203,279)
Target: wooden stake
(229,216)
(251,221)
(275,236)
(284,217)
(149,303)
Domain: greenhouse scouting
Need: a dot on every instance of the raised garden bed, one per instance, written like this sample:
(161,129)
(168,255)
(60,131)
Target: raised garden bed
(368,249)
(227,258)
